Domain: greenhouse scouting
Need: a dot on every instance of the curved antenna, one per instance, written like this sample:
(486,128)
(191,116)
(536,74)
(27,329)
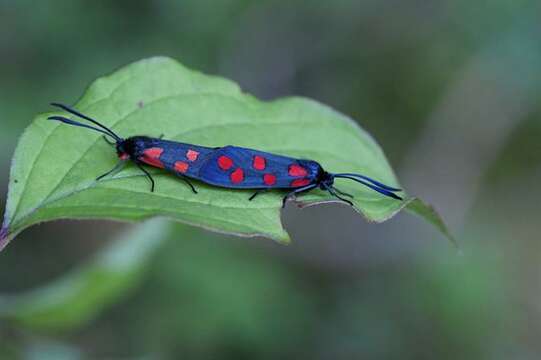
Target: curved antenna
(381,190)
(75,123)
(76,113)
(366,178)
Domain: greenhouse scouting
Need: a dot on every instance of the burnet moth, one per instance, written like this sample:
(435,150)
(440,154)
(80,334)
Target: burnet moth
(230,167)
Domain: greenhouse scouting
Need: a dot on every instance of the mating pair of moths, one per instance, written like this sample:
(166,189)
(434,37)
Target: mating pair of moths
(230,167)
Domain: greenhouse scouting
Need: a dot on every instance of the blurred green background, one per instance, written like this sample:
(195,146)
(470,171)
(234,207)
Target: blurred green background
(450,89)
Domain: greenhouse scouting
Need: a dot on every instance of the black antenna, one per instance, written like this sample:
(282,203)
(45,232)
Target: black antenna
(76,113)
(377,183)
(372,184)
(71,122)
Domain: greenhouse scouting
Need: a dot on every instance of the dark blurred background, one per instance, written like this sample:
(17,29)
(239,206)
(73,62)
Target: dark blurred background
(450,89)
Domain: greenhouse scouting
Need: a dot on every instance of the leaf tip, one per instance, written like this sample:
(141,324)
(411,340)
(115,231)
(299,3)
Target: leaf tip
(429,213)
(283,240)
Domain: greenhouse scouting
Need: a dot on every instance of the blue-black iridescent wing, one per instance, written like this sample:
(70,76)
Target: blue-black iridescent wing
(177,157)
(237,167)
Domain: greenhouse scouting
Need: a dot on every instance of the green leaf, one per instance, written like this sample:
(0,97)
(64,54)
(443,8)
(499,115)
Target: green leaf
(427,212)
(80,295)
(55,165)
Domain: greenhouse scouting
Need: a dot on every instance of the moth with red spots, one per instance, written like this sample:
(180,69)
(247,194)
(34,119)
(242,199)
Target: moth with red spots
(230,167)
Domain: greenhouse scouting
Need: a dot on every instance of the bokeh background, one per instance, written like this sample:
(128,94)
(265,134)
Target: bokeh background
(450,89)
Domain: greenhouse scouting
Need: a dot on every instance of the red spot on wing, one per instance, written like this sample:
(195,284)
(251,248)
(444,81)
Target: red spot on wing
(269,179)
(124,156)
(300,182)
(154,152)
(151,156)
(297,170)
(192,155)
(181,166)
(237,176)
(259,162)
(225,163)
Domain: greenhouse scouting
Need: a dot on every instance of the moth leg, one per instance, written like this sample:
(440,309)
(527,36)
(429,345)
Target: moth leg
(342,193)
(185,179)
(333,193)
(297,191)
(148,176)
(161,136)
(113,171)
(108,141)
(257,193)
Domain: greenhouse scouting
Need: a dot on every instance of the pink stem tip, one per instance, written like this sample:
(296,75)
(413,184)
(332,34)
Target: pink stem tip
(3,238)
